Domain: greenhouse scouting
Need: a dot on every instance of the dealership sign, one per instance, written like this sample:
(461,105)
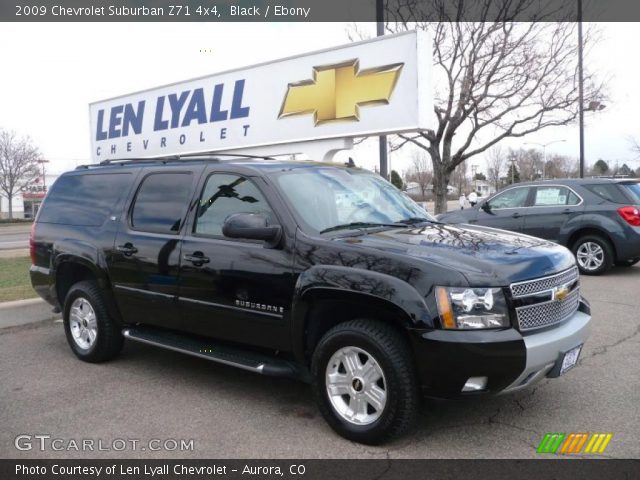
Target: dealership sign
(372,87)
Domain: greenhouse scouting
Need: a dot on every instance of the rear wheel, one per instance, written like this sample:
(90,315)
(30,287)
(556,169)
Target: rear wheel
(364,381)
(91,332)
(594,254)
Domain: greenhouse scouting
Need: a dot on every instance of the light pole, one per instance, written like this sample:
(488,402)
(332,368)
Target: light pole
(384,163)
(474,169)
(580,89)
(42,161)
(544,152)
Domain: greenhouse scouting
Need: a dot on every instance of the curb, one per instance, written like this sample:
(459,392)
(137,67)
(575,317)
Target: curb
(21,303)
(23,312)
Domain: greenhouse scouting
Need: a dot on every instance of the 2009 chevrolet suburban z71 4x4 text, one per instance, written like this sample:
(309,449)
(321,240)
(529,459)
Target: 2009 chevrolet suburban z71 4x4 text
(322,272)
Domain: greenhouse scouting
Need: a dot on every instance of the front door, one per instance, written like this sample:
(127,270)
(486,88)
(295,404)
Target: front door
(505,210)
(229,288)
(146,258)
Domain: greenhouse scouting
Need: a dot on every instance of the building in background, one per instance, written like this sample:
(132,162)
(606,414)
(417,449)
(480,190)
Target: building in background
(27,202)
(484,188)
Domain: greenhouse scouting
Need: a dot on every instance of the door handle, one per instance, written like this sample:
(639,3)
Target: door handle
(515,215)
(567,211)
(197,258)
(128,249)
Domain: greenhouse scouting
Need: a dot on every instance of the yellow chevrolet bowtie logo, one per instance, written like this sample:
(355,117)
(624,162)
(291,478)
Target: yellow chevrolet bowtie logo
(336,92)
(560,293)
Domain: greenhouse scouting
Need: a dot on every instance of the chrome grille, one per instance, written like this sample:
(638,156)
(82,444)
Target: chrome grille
(551,310)
(548,313)
(531,287)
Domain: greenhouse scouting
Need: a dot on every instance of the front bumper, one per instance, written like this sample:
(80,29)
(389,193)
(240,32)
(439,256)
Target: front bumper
(546,349)
(510,360)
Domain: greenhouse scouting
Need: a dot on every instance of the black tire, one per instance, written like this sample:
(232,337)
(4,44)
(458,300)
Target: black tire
(627,263)
(607,254)
(109,340)
(390,353)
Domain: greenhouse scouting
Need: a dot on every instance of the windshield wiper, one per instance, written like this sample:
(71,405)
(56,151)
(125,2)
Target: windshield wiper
(347,226)
(414,220)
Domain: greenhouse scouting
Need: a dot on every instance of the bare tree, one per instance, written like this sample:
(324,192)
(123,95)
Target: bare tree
(561,166)
(495,164)
(493,79)
(529,163)
(420,172)
(18,164)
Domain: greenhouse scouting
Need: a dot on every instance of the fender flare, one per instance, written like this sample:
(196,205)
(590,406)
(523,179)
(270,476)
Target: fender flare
(343,281)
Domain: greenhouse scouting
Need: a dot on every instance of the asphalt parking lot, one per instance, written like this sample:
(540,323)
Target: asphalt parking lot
(149,393)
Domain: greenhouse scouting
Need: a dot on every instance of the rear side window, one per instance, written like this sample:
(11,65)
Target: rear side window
(554,196)
(633,189)
(161,202)
(84,200)
(608,191)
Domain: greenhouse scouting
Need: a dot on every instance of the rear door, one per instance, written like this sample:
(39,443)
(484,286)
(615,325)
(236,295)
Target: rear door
(552,211)
(506,209)
(235,289)
(146,258)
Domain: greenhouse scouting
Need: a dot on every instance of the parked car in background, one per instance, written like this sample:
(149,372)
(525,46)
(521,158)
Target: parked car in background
(597,218)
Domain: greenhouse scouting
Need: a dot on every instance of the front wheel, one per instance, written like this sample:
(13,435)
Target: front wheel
(364,381)
(594,254)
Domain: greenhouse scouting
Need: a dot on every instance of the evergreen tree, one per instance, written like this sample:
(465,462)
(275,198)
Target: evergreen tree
(513,175)
(600,167)
(396,180)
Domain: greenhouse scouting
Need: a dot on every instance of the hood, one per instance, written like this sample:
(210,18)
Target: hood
(485,256)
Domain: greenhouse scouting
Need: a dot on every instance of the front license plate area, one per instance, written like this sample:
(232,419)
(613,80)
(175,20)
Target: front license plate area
(570,359)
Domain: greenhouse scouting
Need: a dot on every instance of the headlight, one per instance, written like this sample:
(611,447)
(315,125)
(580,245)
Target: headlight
(472,308)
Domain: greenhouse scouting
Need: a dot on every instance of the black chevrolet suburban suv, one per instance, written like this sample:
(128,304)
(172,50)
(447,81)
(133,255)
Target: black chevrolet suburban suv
(322,272)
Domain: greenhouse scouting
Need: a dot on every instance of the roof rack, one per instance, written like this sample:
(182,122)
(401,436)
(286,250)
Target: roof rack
(212,157)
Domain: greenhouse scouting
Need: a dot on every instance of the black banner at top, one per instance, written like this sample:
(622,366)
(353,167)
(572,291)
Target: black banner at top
(405,11)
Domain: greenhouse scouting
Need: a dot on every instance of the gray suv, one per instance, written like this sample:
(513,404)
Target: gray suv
(597,218)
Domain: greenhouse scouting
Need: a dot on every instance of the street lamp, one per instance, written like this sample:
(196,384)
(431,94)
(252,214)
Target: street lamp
(474,170)
(42,161)
(382,140)
(544,152)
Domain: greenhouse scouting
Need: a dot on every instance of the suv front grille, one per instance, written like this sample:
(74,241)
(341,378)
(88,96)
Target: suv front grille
(532,287)
(548,313)
(551,310)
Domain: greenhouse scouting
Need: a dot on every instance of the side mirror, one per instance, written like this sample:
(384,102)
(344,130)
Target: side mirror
(251,226)
(485,206)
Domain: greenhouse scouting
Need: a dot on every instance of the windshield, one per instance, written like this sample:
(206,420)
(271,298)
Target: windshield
(634,190)
(329,199)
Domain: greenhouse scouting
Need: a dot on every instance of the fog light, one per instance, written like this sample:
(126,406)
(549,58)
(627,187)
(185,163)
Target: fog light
(475,384)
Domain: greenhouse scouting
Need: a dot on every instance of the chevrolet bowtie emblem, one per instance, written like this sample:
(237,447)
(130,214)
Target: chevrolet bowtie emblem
(337,92)
(560,293)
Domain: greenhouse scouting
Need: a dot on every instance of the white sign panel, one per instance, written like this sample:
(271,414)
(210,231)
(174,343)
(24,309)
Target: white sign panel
(372,87)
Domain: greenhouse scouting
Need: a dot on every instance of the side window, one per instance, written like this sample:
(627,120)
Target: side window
(607,191)
(161,202)
(226,194)
(513,198)
(84,199)
(553,196)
